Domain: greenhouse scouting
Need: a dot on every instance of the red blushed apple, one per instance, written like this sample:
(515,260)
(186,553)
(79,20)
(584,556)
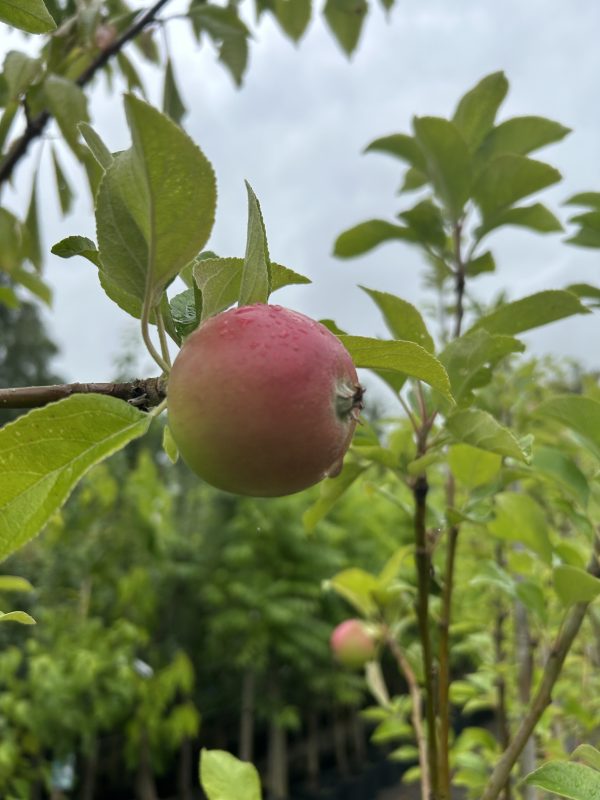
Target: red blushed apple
(353,644)
(263,401)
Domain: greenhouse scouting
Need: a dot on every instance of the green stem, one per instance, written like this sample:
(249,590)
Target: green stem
(423,561)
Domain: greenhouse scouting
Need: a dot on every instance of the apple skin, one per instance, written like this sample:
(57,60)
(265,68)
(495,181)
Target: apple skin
(353,644)
(263,401)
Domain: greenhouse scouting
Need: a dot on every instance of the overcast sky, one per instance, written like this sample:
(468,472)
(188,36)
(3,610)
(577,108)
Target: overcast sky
(296,131)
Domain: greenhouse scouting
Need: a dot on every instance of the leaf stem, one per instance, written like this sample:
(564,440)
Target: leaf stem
(145,324)
(162,335)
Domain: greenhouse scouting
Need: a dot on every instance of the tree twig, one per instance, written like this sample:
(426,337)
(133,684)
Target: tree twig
(423,561)
(416,716)
(145,393)
(562,644)
(36,125)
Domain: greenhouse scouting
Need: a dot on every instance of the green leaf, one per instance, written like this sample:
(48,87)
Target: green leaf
(11,241)
(228,31)
(33,282)
(184,313)
(575,585)
(256,276)
(17,616)
(478,428)
(331,491)
(181,192)
(473,467)
(169,446)
(233,53)
(585,290)
(97,147)
(220,279)
(476,111)
(122,226)
(470,359)
(65,193)
(32,245)
(520,519)
(413,179)
(589,233)
(345,19)
(44,454)
(367,235)
(67,103)
(580,414)
(566,779)
(358,587)
(589,199)
(130,74)
(509,178)
(8,297)
(427,224)
(13,583)
(531,312)
(536,217)
(20,71)
(482,263)
(521,135)
(588,754)
(29,15)
(402,319)
(224,777)
(77,246)
(402,146)
(293,16)
(407,358)
(448,163)
(555,464)
(172,103)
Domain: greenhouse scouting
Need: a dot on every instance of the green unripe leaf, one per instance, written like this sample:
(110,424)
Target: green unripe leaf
(566,779)
(256,276)
(448,162)
(224,777)
(367,235)
(476,111)
(44,454)
(531,312)
(520,519)
(406,358)
(575,585)
(479,429)
(29,15)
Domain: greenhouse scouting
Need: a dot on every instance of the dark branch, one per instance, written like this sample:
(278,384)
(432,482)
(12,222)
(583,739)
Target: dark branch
(36,125)
(144,394)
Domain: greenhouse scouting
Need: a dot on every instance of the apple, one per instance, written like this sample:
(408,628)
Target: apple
(353,644)
(263,401)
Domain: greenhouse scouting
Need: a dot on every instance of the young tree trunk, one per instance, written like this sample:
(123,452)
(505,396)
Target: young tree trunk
(359,745)
(277,762)
(246,751)
(524,649)
(90,771)
(339,745)
(184,778)
(145,785)
(313,766)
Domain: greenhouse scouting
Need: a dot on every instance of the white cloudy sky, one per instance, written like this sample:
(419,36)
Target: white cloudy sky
(296,130)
